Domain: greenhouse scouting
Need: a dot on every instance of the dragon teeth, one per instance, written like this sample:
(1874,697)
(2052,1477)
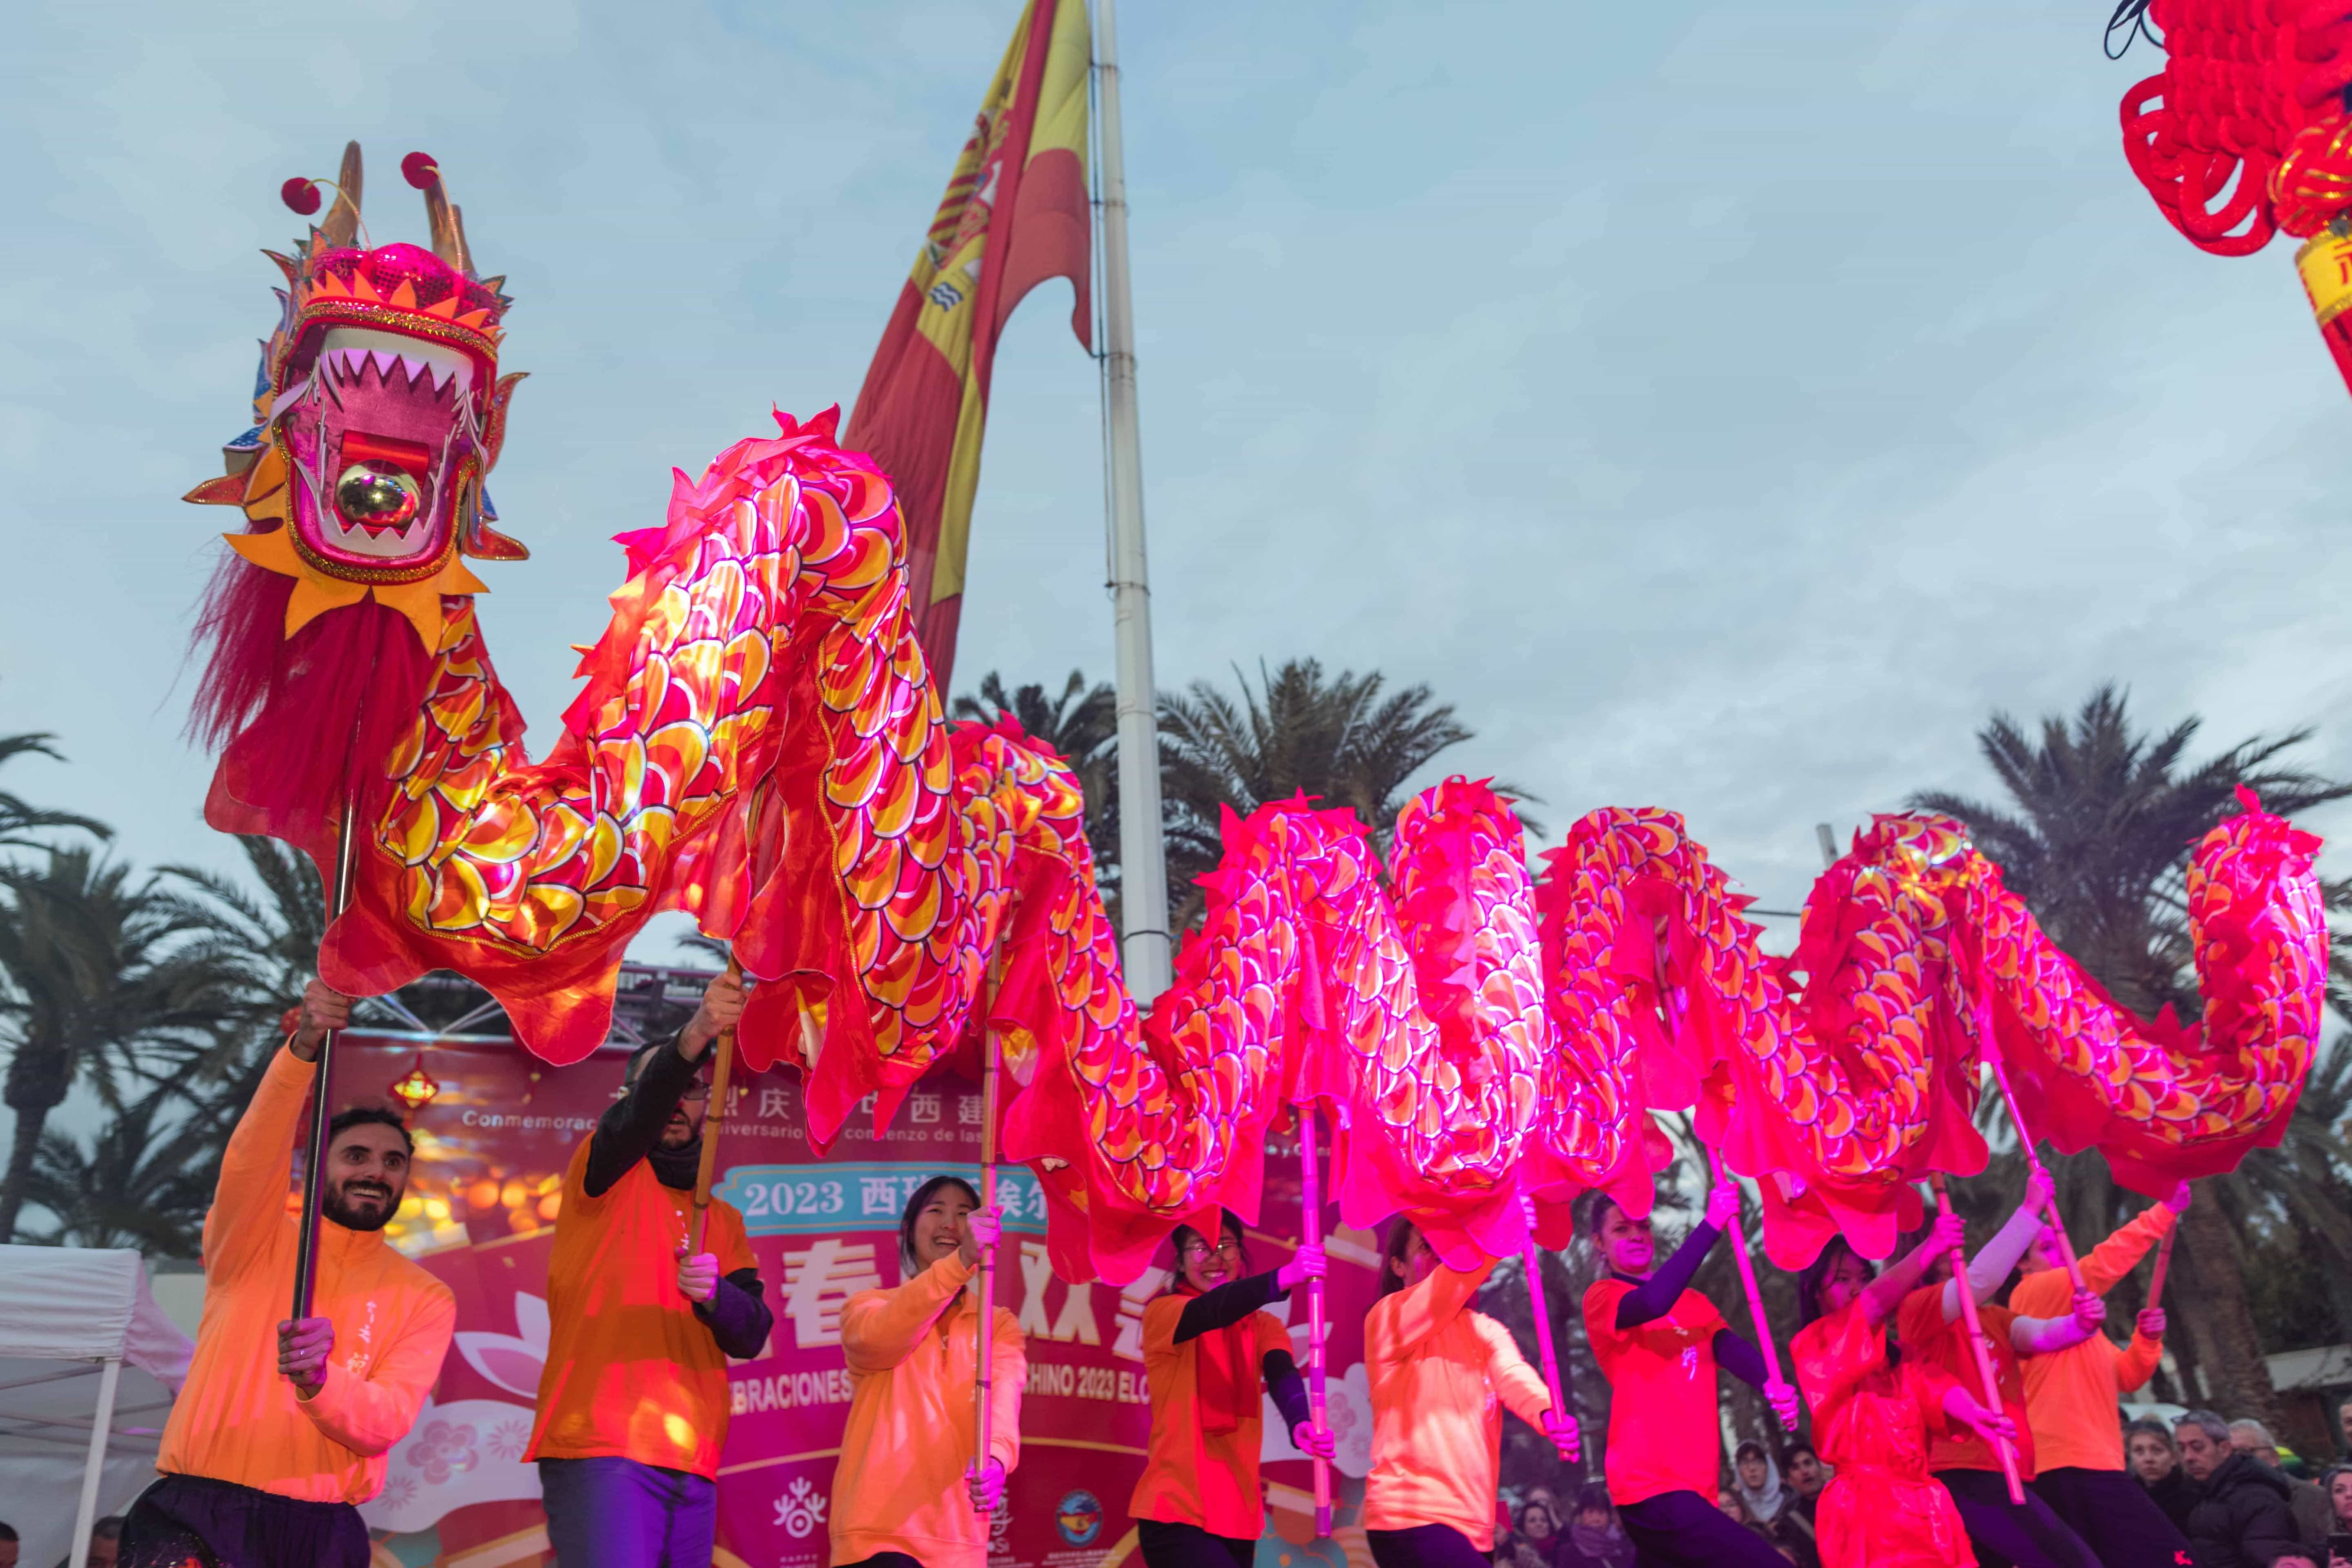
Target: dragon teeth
(349,349)
(393,369)
(362,540)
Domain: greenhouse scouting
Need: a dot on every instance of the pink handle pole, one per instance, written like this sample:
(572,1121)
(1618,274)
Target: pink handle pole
(1551,1357)
(1977,1342)
(983,1366)
(1310,1226)
(2163,1262)
(1756,1302)
(2033,1160)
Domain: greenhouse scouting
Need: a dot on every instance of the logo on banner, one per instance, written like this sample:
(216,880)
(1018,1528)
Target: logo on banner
(859,1194)
(1079,1516)
(801,1509)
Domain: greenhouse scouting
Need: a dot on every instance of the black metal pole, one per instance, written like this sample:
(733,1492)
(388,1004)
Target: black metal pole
(306,1248)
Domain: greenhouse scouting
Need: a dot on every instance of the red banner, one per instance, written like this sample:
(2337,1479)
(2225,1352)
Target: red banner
(481,1210)
(1015,213)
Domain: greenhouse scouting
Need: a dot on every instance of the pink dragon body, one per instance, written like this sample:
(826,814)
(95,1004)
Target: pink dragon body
(757,742)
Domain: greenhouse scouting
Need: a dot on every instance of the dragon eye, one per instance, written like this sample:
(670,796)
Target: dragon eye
(376,494)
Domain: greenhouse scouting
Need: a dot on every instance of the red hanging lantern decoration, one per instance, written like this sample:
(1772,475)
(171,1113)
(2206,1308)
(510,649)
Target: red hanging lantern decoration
(2243,134)
(416,1088)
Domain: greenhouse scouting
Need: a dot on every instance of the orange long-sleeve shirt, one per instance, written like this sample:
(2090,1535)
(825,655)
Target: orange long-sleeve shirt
(912,1353)
(2071,1395)
(1436,1369)
(237,1419)
(631,1371)
(1191,1475)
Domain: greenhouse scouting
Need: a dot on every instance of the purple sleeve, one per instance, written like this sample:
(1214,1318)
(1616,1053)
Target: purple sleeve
(1657,1296)
(737,1314)
(1228,1304)
(1289,1389)
(1741,1359)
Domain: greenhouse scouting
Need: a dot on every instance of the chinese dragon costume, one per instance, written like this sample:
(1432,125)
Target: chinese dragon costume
(757,742)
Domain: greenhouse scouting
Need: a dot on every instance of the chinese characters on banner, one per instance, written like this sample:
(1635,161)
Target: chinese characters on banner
(492,1145)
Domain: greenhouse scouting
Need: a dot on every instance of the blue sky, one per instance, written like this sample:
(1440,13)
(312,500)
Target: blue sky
(1727,407)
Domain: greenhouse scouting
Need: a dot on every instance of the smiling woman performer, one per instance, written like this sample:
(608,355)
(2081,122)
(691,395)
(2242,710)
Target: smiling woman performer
(1872,1410)
(1658,1344)
(904,1492)
(1436,1369)
(275,1437)
(1206,1345)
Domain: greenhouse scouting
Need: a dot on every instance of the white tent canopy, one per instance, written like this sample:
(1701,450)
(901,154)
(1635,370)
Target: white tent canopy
(89,1364)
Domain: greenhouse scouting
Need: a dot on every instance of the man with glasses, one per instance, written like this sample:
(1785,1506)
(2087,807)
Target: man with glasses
(632,1405)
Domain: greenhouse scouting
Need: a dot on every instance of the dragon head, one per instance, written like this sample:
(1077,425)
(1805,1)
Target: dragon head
(378,413)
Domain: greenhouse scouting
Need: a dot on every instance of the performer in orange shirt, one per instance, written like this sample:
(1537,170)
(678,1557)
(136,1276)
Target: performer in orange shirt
(1658,1342)
(276,1436)
(632,1405)
(1873,1411)
(1930,1327)
(1436,1370)
(1206,1345)
(2070,1397)
(904,1494)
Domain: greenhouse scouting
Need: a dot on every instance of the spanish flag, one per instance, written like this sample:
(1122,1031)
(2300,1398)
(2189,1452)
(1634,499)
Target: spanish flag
(1016,214)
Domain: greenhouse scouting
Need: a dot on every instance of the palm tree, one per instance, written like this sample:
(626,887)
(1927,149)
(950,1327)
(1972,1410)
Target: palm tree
(1334,739)
(2096,839)
(18,818)
(1082,724)
(144,1182)
(1331,738)
(2103,817)
(108,982)
(274,937)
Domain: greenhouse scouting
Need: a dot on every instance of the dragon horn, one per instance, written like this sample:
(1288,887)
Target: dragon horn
(447,224)
(343,226)
(465,262)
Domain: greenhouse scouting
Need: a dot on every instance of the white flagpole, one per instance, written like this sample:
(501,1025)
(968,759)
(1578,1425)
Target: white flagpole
(1142,859)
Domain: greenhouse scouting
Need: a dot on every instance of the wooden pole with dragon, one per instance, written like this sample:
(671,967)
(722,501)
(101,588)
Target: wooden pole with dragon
(377,413)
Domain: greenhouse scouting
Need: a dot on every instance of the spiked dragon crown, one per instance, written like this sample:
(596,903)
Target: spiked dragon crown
(378,413)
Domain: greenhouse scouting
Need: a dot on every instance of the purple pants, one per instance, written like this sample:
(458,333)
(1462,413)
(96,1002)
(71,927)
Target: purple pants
(618,1513)
(219,1524)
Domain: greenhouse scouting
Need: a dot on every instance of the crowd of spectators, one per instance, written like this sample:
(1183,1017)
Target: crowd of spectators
(2242,1503)
(105,1536)
(1545,1532)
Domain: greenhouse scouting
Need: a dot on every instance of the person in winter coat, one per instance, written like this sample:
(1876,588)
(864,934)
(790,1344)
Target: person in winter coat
(1773,1505)
(2155,1464)
(2307,1498)
(1594,1539)
(2241,1517)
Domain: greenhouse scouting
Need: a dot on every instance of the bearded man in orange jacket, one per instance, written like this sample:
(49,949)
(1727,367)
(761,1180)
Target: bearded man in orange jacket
(280,1431)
